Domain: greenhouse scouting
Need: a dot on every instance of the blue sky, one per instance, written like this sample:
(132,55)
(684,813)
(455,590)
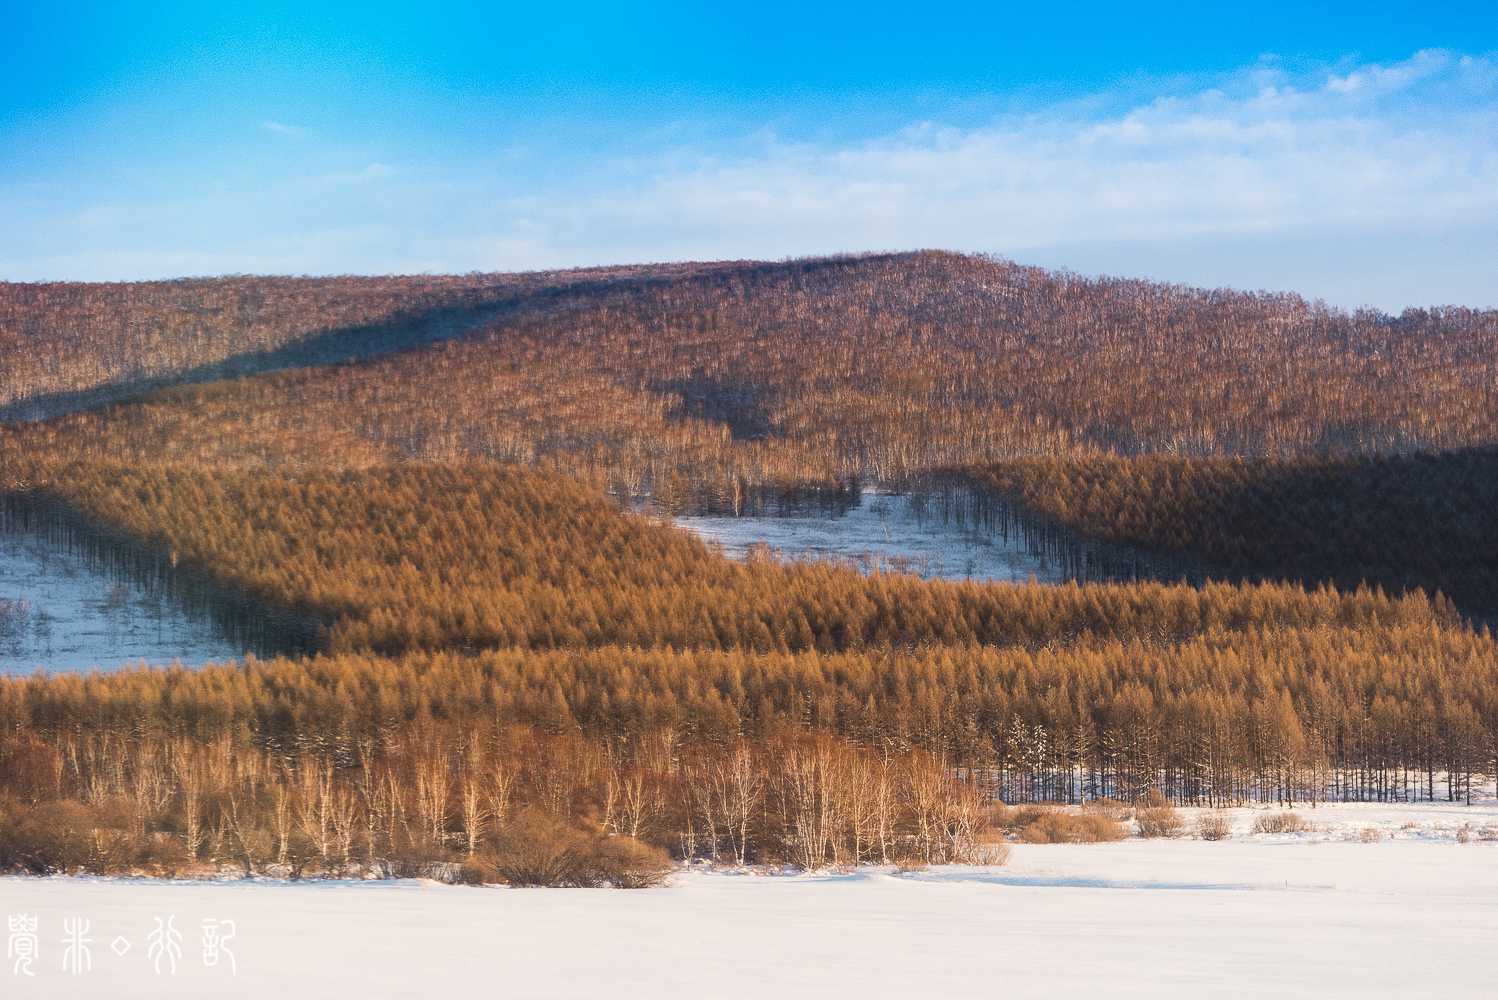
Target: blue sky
(1346,151)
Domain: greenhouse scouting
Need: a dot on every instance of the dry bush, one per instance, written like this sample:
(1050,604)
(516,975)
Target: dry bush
(987,849)
(537,850)
(1213,825)
(113,852)
(908,855)
(1041,824)
(1156,816)
(1111,808)
(403,862)
(626,863)
(1285,822)
(1065,828)
(1016,818)
(51,837)
(254,849)
(1370,835)
(162,855)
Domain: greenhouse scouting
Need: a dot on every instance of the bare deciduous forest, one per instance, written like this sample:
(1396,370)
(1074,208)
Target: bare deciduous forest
(495,668)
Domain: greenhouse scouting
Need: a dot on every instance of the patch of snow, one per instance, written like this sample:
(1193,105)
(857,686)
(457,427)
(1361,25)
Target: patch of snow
(883,533)
(60,615)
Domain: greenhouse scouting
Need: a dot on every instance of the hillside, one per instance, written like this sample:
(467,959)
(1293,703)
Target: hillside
(66,346)
(877,366)
(489,647)
(746,388)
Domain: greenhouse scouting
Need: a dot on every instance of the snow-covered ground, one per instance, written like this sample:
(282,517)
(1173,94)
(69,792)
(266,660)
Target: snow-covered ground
(62,616)
(1302,915)
(881,533)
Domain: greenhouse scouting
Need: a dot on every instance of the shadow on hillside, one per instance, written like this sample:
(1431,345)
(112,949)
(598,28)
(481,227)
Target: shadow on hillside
(539,292)
(220,614)
(325,348)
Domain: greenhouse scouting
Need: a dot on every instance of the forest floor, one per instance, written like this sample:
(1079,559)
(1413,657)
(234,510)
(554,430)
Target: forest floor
(884,533)
(1326,913)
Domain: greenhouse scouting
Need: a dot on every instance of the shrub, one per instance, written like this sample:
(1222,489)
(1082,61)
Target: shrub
(163,855)
(1213,825)
(1156,816)
(1285,822)
(1065,828)
(1111,808)
(628,864)
(987,849)
(1467,833)
(408,857)
(112,852)
(470,875)
(51,837)
(1014,818)
(537,850)
(907,854)
(1043,824)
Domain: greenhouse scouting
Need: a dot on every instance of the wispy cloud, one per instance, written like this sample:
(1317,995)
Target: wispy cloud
(1276,158)
(1403,154)
(1361,183)
(290,130)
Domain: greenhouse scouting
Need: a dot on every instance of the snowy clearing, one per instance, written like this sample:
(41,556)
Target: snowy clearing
(63,616)
(1302,915)
(881,533)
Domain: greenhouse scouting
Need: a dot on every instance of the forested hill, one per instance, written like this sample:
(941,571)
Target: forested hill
(878,362)
(450,528)
(746,387)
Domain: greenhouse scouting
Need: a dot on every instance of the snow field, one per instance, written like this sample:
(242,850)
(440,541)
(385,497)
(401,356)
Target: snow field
(881,533)
(1301,915)
(76,619)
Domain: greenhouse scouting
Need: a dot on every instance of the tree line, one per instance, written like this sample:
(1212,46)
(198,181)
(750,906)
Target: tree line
(405,765)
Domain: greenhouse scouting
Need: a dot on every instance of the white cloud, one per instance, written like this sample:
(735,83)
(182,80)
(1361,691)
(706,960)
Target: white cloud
(1371,184)
(1410,149)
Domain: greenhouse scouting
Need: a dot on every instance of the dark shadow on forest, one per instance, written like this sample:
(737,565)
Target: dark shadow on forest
(233,615)
(538,292)
(333,346)
(747,411)
(1402,523)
